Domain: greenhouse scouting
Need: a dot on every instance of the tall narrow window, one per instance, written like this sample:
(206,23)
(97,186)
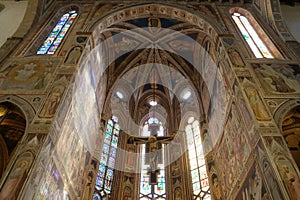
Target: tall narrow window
(58,33)
(107,161)
(250,35)
(147,191)
(196,160)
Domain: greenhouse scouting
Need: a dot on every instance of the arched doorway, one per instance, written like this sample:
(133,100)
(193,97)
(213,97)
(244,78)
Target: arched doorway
(291,132)
(12,128)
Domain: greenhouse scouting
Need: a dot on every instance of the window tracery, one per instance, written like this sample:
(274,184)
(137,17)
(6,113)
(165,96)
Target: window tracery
(196,161)
(58,33)
(145,188)
(104,179)
(254,41)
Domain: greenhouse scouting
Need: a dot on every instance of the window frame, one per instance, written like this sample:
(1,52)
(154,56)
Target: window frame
(259,27)
(206,194)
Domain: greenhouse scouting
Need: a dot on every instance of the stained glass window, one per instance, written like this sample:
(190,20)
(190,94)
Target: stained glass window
(159,191)
(252,38)
(58,33)
(107,161)
(196,160)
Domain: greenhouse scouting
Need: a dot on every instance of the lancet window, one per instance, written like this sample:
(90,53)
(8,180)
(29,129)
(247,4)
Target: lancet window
(105,174)
(253,39)
(58,33)
(196,161)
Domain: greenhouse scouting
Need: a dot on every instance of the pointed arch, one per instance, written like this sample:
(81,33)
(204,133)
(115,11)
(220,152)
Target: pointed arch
(196,160)
(12,130)
(105,175)
(54,39)
(52,34)
(257,39)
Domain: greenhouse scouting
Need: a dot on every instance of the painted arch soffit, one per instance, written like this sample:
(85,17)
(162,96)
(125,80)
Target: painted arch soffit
(130,12)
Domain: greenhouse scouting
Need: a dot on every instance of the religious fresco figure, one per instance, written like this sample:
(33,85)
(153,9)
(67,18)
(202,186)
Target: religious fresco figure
(52,102)
(216,187)
(277,81)
(291,180)
(26,72)
(177,193)
(126,44)
(15,180)
(256,104)
(236,58)
(74,55)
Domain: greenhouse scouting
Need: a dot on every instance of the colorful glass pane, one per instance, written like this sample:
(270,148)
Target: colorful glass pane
(111,162)
(117,126)
(196,186)
(107,186)
(96,197)
(115,119)
(103,160)
(113,152)
(101,170)
(109,129)
(109,174)
(109,151)
(99,183)
(110,123)
(57,34)
(107,138)
(105,148)
(114,141)
(145,186)
(203,173)
(195,175)
(204,182)
(116,131)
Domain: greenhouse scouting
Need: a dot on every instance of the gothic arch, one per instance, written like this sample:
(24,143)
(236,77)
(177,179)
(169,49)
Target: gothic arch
(259,28)
(12,129)
(283,110)
(27,109)
(116,21)
(39,38)
(161,10)
(30,17)
(287,117)
(290,130)
(276,20)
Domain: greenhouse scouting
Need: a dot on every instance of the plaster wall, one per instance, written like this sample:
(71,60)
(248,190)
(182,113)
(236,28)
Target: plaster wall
(291,16)
(10,18)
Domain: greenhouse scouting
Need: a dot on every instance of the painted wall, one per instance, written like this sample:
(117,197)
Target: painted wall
(10,18)
(291,16)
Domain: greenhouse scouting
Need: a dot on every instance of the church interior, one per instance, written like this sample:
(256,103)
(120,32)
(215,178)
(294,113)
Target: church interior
(150,100)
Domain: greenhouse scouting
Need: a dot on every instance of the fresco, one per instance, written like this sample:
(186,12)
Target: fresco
(31,75)
(287,170)
(52,185)
(254,187)
(268,172)
(233,150)
(278,78)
